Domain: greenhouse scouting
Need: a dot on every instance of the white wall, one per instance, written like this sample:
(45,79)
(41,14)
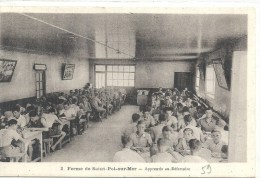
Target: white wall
(22,84)
(151,74)
(238,114)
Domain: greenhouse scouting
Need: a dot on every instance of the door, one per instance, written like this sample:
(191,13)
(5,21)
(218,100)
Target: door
(183,80)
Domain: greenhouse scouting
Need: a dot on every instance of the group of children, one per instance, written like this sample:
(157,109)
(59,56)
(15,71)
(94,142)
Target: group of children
(48,113)
(174,128)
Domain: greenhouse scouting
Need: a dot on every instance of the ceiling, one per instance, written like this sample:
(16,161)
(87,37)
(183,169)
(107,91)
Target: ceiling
(158,36)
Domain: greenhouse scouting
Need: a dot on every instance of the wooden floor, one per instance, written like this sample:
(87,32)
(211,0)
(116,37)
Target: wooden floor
(99,144)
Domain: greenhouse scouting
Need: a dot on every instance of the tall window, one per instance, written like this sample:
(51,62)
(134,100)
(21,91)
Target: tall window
(210,81)
(197,79)
(40,83)
(100,71)
(115,75)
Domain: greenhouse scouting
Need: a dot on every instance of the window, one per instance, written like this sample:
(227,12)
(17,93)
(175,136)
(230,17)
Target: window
(115,75)
(40,83)
(100,76)
(197,79)
(210,81)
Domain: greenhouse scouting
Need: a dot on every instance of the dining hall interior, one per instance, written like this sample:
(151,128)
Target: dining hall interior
(82,87)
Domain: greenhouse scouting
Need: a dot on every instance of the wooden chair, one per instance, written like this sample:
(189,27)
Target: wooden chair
(47,143)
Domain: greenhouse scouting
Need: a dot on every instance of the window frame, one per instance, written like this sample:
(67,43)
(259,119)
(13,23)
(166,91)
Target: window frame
(197,79)
(213,80)
(40,91)
(116,71)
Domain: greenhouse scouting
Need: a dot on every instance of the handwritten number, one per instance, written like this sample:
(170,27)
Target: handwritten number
(61,168)
(206,169)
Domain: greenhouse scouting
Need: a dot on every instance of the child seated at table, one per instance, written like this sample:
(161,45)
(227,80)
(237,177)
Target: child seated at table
(195,147)
(163,155)
(170,119)
(183,143)
(141,141)
(215,144)
(147,118)
(181,121)
(127,155)
(52,122)
(130,128)
(21,121)
(8,137)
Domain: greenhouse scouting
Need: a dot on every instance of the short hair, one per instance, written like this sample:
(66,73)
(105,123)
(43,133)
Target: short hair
(60,107)
(187,118)
(147,109)
(188,129)
(51,110)
(32,114)
(185,109)
(179,105)
(135,117)
(141,122)
(8,114)
(16,108)
(224,149)
(162,117)
(194,104)
(12,122)
(194,144)
(166,128)
(74,100)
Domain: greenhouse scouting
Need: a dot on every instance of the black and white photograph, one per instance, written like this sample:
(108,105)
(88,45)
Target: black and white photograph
(157,87)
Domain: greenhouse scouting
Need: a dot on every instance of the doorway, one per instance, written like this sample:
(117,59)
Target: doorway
(183,80)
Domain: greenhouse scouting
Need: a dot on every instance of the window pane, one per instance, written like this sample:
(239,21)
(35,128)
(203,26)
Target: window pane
(115,68)
(37,94)
(100,80)
(131,76)
(121,68)
(131,83)
(115,76)
(109,68)
(197,81)
(41,93)
(114,82)
(100,68)
(210,86)
(37,77)
(198,73)
(126,83)
(109,76)
(37,86)
(126,68)
(40,76)
(132,68)
(109,82)
(41,86)
(126,75)
(120,75)
(120,83)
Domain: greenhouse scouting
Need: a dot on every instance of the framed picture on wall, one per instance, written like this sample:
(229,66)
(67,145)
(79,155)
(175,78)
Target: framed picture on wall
(220,73)
(7,69)
(68,71)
